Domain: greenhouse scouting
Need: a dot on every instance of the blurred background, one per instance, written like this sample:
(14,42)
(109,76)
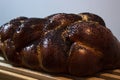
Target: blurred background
(108,9)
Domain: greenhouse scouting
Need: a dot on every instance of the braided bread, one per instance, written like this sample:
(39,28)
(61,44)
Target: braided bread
(76,44)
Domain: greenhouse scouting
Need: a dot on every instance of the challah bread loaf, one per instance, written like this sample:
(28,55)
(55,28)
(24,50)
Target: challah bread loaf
(80,44)
(31,30)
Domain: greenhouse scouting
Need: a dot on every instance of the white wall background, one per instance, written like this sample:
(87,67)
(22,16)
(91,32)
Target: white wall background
(109,10)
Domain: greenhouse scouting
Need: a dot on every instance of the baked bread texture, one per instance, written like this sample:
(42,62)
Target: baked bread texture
(76,44)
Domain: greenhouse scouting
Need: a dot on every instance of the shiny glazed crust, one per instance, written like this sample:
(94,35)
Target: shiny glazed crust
(79,45)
